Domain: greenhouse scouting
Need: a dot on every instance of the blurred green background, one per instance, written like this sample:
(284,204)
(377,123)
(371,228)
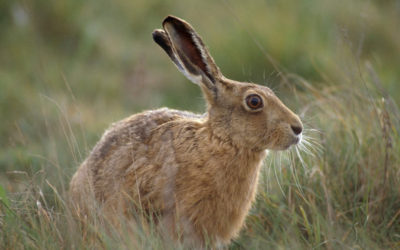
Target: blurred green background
(68,69)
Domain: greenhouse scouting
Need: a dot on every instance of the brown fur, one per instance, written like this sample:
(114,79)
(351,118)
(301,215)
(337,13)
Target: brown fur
(198,173)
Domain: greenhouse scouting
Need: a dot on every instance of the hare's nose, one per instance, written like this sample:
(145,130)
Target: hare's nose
(296,129)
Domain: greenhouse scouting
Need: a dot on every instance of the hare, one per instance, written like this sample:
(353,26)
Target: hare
(197,173)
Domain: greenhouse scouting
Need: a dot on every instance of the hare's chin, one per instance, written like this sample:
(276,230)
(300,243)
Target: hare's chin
(285,146)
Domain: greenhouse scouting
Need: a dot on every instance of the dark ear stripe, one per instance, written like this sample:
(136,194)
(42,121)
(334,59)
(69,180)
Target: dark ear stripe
(187,41)
(161,38)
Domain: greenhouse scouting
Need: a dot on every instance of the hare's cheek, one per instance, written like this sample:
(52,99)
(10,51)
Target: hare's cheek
(283,142)
(279,139)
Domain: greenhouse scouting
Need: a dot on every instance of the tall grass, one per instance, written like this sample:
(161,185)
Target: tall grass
(68,69)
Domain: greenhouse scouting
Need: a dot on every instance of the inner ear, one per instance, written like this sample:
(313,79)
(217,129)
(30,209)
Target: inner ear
(188,44)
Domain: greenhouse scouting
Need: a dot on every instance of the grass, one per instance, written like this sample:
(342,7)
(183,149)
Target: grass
(70,68)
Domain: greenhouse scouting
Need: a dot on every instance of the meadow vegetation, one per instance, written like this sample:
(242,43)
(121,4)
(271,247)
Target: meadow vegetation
(68,69)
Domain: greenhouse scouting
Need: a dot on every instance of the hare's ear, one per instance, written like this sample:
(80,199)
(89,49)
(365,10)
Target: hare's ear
(186,49)
(162,39)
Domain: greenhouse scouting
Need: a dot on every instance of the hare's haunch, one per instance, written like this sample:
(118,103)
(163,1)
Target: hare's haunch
(197,173)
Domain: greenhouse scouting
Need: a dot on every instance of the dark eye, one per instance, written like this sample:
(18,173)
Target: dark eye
(254,101)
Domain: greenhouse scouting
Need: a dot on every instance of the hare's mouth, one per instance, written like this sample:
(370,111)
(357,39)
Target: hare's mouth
(297,140)
(294,141)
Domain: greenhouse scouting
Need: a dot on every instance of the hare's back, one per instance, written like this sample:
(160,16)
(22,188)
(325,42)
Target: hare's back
(135,131)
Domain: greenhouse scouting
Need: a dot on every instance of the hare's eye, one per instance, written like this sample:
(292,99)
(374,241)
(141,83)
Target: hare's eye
(254,101)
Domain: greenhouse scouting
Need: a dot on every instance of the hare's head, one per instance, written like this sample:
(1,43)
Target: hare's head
(246,114)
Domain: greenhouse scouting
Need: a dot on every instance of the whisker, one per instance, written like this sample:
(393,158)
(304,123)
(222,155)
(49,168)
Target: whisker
(310,142)
(311,139)
(268,184)
(300,158)
(312,130)
(310,146)
(276,175)
(295,176)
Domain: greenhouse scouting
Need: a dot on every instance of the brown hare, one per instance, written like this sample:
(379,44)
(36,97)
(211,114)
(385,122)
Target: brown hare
(197,173)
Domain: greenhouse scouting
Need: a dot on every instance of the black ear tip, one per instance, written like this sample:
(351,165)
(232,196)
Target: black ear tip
(157,36)
(172,19)
(169,18)
(161,38)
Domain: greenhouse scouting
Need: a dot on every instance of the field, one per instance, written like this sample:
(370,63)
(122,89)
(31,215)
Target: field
(68,69)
